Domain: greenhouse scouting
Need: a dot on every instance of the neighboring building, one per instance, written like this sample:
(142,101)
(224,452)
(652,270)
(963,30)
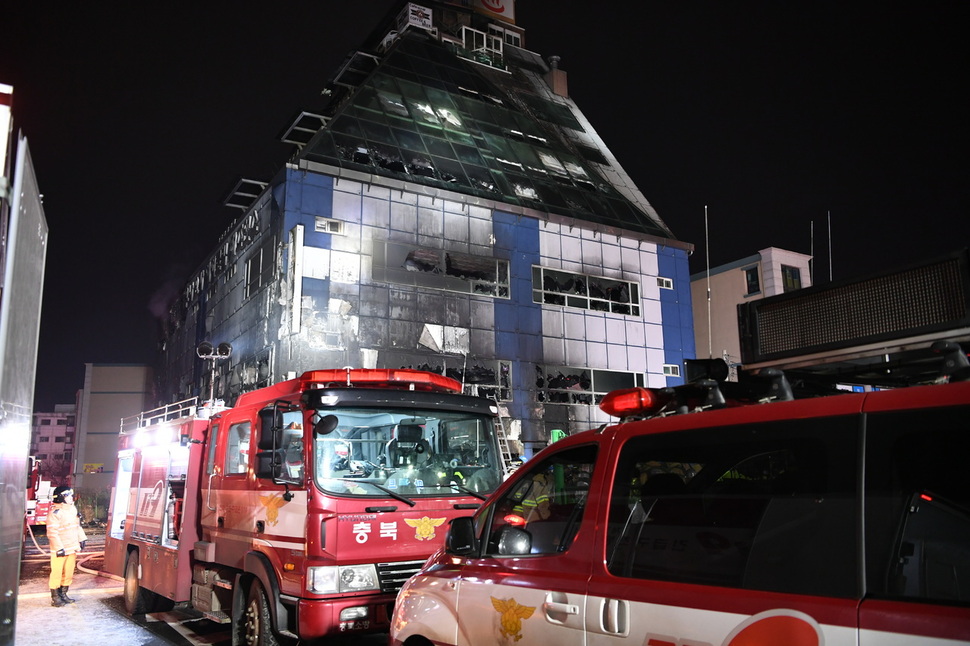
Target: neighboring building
(52,442)
(111,392)
(769,272)
(900,327)
(450,209)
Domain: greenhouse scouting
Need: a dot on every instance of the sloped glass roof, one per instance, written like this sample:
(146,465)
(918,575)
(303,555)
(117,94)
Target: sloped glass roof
(426,115)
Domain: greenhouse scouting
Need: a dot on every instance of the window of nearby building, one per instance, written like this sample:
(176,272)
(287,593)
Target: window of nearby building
(44,439)
(567,385)
(556,287)
(791,278)
(45,421)
(62,422)
(41,456)
(671,370)
(260,267)
(752,282)
(60,439)
(665,283)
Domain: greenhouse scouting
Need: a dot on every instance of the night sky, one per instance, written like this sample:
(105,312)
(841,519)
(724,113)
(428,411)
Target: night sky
(771,114)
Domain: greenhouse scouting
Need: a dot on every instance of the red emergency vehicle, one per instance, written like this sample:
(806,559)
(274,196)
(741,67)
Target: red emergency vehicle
(841,520)
(300,511)
(39,494)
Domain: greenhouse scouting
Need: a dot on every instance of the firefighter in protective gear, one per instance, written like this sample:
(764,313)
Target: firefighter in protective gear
(535,502)
(66,538)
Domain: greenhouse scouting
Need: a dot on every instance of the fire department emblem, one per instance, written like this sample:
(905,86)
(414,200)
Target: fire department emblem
(511,614)
(272,504)
(424,527)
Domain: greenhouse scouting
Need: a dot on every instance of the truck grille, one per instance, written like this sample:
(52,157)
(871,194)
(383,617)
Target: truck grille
(393,575)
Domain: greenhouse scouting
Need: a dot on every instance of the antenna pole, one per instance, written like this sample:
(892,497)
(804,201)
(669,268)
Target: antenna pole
(811,252)
(830,245)
(707,252)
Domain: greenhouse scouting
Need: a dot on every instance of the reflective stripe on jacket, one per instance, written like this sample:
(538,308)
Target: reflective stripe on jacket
(64,531)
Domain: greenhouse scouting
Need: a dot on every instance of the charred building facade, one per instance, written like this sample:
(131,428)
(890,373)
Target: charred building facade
(451,209)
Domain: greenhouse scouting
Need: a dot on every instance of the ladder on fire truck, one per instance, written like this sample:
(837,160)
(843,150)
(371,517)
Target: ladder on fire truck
(503,438)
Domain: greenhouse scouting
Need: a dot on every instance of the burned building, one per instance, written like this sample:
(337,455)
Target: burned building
(450,209)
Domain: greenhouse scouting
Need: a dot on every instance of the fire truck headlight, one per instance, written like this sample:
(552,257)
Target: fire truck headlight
(341,578)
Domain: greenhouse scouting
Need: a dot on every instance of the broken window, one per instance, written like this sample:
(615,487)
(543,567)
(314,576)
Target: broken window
(554,287)
(569,385)
(440,269)
(260,267)
(488,379)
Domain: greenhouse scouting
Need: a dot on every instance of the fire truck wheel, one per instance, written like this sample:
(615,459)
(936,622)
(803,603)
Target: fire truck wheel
(138,600)
(135,595)
(256,626)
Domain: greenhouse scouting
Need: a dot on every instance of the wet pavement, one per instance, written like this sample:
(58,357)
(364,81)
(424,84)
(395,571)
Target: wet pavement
(97,617)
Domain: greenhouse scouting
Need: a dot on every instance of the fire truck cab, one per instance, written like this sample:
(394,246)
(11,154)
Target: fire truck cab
(841,520)
(300,511)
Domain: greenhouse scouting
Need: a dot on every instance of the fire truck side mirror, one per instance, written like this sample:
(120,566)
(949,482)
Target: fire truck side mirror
(460,538)
(326,425)
(270,429)
(264,467)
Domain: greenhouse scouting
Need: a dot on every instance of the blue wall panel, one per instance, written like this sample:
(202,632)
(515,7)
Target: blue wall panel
(675,310)
(518,321)
(307,196)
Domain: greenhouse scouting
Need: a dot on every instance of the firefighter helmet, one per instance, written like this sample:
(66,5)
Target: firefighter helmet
(62,492)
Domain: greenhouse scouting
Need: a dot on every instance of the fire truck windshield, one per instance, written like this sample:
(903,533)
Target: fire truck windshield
(406,452)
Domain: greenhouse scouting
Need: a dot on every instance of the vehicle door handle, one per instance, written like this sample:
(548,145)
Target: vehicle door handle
(561,608)
(615,617)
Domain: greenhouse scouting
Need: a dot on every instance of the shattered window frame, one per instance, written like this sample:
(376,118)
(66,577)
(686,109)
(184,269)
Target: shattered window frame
(488,378)
(442,269)
(261,267)
(581,386)
(584,291)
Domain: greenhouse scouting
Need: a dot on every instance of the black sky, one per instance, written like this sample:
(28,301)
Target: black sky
(771,114)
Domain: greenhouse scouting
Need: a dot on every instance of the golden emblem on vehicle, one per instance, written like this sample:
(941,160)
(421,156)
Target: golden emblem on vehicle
(512,614)
(424,527)
(272,504)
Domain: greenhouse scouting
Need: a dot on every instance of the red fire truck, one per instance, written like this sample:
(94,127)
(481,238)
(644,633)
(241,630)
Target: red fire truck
(300,511)
(39,492)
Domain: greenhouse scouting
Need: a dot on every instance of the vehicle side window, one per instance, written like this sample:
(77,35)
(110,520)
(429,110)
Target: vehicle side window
(767,506)
(237,448)
(210,461)
(542,512)
(918,505)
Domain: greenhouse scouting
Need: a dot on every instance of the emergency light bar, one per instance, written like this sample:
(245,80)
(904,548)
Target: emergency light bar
(389,379)
(381,378)
(628,402)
